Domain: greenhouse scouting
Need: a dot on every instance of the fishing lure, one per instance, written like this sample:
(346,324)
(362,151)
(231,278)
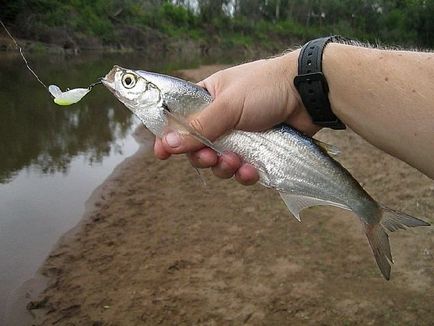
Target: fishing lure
(70,96)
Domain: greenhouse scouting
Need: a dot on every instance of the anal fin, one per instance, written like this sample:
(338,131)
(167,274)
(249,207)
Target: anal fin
(296,203)
(201,177)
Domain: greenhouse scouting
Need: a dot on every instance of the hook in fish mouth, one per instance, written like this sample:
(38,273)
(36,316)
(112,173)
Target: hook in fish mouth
(107,83)
(98,81)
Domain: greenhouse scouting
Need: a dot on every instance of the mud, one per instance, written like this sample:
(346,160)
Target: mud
(157,247)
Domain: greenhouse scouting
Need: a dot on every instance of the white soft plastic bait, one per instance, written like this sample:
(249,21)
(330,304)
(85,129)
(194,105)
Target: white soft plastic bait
(69,97)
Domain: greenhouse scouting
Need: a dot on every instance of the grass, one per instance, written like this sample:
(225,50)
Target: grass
(104,18)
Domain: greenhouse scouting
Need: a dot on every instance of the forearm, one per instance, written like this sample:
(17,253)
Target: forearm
(387,97)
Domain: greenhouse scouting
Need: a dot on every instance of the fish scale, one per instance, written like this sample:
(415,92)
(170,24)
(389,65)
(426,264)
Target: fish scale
(301,177)
(289,162)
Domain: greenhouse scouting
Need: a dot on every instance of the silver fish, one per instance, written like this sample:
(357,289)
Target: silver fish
(298,167)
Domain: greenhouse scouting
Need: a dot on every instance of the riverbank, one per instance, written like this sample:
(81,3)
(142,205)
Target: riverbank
(156,247)
(152,43)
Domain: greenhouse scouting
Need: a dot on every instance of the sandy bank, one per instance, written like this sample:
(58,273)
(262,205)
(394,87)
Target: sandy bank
(157,247)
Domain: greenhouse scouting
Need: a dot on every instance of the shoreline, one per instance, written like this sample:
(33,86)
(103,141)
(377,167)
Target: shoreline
(170,46)
(156,247)
(25,298)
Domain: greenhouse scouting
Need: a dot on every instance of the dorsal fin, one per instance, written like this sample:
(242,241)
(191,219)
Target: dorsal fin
(330,149)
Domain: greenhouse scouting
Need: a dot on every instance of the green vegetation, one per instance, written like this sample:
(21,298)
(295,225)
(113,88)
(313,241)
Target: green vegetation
(226,23)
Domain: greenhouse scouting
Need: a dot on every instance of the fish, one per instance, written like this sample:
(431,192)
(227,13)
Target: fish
(300,168)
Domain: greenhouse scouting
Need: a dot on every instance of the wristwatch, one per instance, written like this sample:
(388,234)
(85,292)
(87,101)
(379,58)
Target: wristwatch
(312,84)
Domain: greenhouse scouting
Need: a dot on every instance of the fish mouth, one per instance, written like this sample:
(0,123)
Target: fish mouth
(109,79)
(107,83)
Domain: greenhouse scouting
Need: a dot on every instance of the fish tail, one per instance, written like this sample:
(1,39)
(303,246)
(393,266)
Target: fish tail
(378,239)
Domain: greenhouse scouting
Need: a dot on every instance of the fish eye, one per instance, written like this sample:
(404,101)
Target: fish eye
(128,80)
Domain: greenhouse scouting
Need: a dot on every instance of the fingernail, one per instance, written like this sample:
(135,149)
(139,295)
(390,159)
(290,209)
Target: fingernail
(173,139)
(224,166)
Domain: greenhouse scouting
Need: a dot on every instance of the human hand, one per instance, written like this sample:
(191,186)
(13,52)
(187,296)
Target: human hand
(253,97)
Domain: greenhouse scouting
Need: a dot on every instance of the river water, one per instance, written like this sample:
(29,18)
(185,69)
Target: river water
(51,157)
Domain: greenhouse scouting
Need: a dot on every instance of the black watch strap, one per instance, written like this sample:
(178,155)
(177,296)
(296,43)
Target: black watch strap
(312,85)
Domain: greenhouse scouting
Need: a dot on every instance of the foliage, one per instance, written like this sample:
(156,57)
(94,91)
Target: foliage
(403,22)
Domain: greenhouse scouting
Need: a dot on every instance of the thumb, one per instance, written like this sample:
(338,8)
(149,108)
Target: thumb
(215,120)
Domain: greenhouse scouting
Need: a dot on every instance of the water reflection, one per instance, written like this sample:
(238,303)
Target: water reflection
(36,132)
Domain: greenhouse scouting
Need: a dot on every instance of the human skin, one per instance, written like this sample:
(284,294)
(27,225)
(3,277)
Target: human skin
(385,96)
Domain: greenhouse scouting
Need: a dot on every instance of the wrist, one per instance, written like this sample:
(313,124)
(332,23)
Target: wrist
(297,114)
(312,85)
(289,69)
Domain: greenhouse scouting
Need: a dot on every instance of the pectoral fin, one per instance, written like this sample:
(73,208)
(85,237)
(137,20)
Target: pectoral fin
(181,125)
(201,177)
(296,203)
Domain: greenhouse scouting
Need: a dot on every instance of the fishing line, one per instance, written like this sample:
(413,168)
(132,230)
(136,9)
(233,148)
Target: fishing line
(99,81)
(70,96)
(22,55)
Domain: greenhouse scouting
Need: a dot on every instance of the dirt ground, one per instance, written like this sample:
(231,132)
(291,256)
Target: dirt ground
(157,247)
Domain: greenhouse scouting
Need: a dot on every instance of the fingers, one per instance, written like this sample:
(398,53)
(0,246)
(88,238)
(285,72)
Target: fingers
(230,165)
(247,175)
(225,166)
(218,117)
(203,158)
(159,150)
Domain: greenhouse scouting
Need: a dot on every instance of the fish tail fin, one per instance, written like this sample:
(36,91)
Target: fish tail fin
(378,239)
(394,220)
